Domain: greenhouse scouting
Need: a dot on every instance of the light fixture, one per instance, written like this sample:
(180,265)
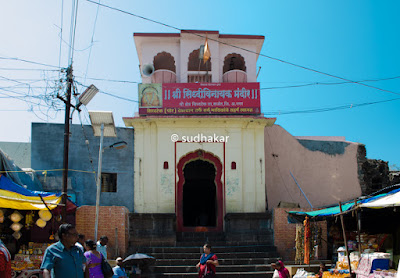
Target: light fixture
(103,125)
(87,95)
(118,145)
(105,119)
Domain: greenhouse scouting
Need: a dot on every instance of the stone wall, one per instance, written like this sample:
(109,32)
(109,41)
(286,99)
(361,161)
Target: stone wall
(113,222)
(249,227)
(151,229)
(47,145)
(285,234)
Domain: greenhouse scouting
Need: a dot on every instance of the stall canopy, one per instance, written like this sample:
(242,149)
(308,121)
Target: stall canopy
(391,200)
(15,196)
(383,200)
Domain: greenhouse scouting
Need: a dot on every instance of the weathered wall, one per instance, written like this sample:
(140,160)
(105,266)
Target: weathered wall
(285,234)
(155,186)
(20,153)
(326,171)
(181,45)
(113,222)
(47,154)
(375,175)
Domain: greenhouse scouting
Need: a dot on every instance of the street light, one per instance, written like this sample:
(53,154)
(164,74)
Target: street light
(87,95)
(103,125)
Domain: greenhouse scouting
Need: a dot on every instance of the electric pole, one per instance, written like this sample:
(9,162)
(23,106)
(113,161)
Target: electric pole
(66,142)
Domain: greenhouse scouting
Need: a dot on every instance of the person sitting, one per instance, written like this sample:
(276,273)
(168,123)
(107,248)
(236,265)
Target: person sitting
(119,271)
(276,272)
(283,272)
(322,268)
(208,262)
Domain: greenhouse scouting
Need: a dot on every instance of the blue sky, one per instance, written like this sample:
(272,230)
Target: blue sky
(356,40)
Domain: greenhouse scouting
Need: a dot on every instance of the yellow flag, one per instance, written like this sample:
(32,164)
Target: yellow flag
(207,52)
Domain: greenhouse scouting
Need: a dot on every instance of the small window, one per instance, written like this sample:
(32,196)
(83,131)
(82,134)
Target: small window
(108,182)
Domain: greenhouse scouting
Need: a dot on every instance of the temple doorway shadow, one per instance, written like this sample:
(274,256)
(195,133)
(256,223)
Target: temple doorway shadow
(199,194)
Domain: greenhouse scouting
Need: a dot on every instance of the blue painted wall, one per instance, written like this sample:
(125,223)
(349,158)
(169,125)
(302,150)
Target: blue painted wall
(47,154)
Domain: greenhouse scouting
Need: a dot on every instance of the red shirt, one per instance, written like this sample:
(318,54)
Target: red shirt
(5,267)
(210,267)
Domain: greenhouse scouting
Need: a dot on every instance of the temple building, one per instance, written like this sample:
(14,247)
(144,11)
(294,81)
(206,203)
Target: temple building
(201,158)
(203,149)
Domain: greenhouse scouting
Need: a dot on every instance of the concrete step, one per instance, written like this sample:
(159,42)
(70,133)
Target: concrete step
(222,261)
(216,249)
(200,243)
(220,268)
(180,256)
(258,274)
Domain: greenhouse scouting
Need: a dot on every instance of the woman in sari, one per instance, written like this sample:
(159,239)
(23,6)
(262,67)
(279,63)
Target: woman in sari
(93,259)
(208,262)
(5,261)
(283,272)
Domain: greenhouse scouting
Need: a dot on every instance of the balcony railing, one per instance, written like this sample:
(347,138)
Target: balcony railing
(199,77)
(163,76)
(234,76)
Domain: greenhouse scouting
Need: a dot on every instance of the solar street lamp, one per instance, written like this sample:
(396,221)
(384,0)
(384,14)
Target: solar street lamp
(103,125)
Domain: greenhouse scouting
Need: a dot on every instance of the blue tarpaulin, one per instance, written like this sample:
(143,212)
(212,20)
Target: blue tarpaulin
(335,210)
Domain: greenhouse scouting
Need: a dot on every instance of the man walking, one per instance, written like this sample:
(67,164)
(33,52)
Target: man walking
(81,242)
(102,246)
(63,259)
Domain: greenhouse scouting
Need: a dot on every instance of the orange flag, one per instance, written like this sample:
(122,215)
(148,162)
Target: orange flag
(207,52)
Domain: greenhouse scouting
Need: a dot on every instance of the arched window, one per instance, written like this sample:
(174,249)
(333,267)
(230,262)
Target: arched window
(195,64)
(234,61)
(164,60)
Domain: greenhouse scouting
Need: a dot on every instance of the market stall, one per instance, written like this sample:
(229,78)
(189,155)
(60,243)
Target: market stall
(371,251)
(28,221)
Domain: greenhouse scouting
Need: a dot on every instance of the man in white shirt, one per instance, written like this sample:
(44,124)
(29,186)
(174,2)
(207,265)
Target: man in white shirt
(81,242)
(102,246)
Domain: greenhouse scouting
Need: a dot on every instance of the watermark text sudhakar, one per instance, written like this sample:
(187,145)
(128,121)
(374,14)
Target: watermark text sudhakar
(200,138)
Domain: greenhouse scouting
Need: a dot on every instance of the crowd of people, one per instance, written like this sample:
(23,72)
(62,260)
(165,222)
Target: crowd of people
(72,256)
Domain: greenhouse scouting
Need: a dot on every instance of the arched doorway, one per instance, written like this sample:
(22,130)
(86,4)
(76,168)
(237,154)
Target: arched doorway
(199,192)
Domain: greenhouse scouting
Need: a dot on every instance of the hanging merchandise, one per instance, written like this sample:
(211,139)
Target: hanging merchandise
(17,235)
(16,227)
(299,244)
(45,215)
(16,216)
(307,236)
(29,219)
(41,223)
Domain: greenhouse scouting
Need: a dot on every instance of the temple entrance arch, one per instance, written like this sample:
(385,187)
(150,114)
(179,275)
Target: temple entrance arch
(199,198)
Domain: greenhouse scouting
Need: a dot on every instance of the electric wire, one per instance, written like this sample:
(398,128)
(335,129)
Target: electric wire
(61,32)
(74,16)
(327,83)
(277,165)
(30,62)
(328,109)
(247,50)
(91,42)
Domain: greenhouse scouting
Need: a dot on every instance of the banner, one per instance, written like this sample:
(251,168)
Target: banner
(199,98)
